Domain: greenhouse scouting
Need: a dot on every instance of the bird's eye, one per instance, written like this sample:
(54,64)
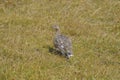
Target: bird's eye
(69,53)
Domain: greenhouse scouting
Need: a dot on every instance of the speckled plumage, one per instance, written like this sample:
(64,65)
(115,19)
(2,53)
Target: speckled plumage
(62,43)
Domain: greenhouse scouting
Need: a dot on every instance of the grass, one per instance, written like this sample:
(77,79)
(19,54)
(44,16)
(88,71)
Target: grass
(26,36)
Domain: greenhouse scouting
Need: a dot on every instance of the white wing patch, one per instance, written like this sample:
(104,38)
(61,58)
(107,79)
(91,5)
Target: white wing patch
(62,46)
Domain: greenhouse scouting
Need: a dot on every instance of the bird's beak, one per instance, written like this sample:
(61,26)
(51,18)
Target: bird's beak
(69,56)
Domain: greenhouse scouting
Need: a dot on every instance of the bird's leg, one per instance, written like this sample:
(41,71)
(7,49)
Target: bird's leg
(67,56)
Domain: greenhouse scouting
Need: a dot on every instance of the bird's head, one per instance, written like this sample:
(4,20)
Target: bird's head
(69,55)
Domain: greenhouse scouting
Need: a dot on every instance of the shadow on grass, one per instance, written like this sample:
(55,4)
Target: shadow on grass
(54,51)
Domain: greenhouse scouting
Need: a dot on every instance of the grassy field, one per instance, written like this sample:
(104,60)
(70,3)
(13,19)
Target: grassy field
(26,39)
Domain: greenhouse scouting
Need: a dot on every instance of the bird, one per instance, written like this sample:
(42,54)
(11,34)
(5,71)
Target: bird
(62,43)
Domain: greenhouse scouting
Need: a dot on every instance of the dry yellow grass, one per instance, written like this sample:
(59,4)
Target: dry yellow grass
(26,36)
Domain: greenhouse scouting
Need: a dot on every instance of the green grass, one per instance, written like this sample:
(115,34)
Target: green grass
(26,35)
